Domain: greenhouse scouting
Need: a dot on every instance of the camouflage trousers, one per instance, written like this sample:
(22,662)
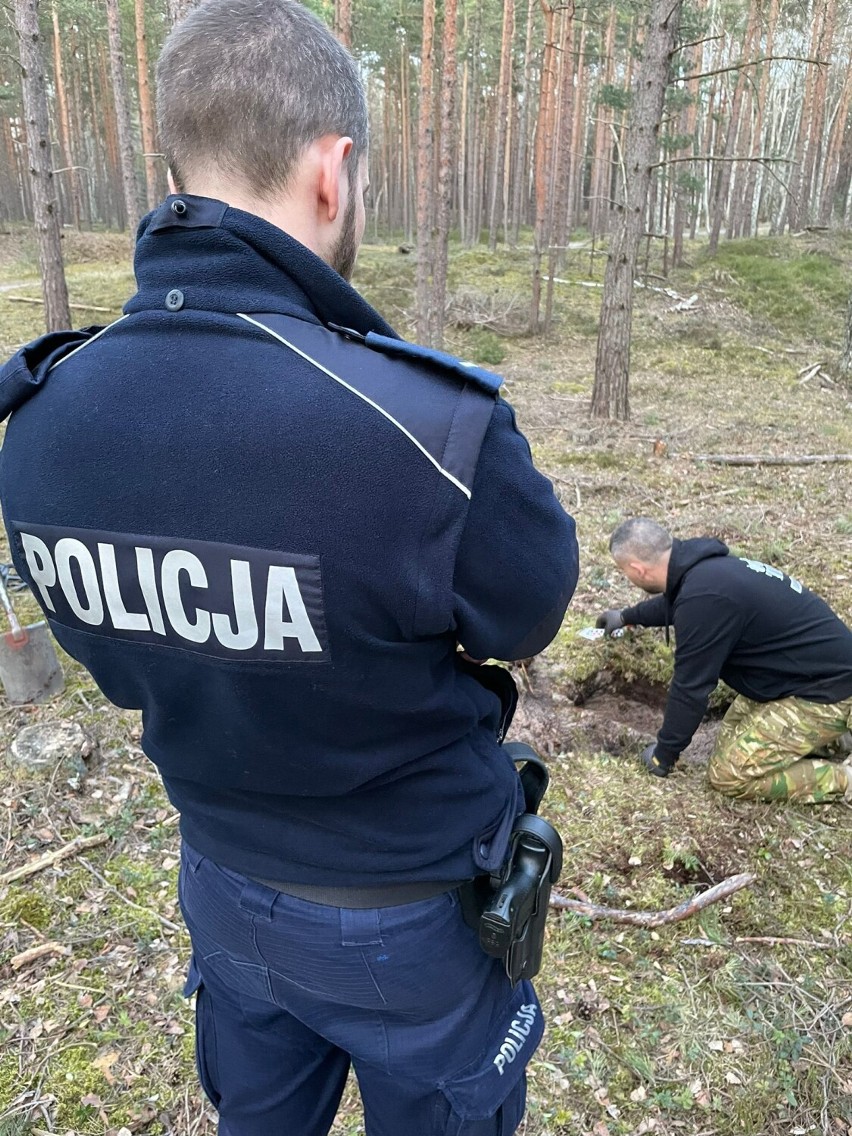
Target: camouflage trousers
(775,751)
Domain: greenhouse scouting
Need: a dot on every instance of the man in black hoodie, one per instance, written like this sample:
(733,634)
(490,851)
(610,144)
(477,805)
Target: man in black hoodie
(780,647)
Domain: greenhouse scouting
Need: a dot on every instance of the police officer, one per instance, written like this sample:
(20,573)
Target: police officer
(257,515)
(784,651)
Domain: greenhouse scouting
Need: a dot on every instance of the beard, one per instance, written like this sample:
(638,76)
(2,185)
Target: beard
(343,255)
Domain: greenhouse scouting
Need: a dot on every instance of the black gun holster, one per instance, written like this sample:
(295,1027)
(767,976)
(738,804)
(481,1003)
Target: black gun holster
(509,909)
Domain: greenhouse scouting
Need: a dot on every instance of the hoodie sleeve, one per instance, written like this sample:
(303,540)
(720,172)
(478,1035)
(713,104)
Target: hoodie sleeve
(706,629)
(650,613)
(517,562)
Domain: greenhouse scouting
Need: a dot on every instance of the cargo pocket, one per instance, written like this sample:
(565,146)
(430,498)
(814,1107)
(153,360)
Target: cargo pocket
(488,1097)
(205,1034)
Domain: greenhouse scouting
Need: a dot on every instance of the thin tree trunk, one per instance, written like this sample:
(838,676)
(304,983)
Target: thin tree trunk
(724,173)
(177,9)
(146,109)
(758,133)
(34,87)
(343,21)
(64,121)
(122,114)
(612,367)
(425,178)
(543,153)
(449,83)
(496,204)
(520,187)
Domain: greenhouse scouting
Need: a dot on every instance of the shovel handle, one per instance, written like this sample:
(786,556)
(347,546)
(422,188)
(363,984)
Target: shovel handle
(18,634)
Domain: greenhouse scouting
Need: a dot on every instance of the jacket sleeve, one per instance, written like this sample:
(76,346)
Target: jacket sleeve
(650,613)
(706,630)
(517,561)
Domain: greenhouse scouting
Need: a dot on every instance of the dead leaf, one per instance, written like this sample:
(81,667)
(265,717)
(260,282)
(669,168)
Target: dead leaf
(638,1095)
(102,1013)
(104,1064)
(846,1020)
(732,1078)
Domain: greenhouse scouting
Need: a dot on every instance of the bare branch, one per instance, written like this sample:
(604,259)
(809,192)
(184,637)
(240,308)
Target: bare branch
(752,63)
(683,910)
(772,459)
(715,158)
(696,43)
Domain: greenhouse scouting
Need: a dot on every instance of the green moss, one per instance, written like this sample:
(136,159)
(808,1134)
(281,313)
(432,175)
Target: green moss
(23,904)
(797,288)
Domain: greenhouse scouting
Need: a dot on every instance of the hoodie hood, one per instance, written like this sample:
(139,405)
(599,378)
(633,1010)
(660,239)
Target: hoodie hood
(29,367)
(686,554)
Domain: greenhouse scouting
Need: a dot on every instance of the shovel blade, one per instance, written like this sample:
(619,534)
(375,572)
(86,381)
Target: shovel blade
(29,668)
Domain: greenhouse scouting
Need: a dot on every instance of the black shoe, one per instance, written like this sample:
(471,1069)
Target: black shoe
(653,764)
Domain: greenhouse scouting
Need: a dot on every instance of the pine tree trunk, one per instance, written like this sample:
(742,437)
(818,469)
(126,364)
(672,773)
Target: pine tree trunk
(425,179)
(599,179)
(543,154)
(758,143)
(449,83)
(723,175)
(845,362)
(122,114)
(343,21)
(520,184)
(64,122)
(45,211)
(612,367)
(496,204)
(177,9)
(146,109)
(828,201)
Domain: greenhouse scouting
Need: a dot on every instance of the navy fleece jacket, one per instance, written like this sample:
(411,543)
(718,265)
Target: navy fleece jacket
(747,623)
(270,535)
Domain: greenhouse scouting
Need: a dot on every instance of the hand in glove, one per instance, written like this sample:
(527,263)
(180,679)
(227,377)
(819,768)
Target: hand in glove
(610,620)
(653,764)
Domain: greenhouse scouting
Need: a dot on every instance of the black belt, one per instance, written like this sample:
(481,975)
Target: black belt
(391,895)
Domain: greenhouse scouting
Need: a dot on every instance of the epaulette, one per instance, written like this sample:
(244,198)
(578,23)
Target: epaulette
(487,380)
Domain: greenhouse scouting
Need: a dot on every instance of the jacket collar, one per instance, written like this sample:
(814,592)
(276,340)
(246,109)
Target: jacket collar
(223,259)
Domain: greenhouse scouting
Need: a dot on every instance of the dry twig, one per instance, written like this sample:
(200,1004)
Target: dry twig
(772,459)
(73,307)
(51,858)
(33,953)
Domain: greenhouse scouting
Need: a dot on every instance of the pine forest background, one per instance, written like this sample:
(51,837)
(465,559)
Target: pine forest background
(755,135)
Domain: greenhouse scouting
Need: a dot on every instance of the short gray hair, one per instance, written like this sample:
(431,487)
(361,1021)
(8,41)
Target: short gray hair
(246,86)
(641,539)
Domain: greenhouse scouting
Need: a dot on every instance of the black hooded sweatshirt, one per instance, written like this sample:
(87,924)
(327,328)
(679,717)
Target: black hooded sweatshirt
(748,623)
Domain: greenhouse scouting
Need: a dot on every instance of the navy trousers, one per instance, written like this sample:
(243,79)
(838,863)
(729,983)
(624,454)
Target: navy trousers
(291,993)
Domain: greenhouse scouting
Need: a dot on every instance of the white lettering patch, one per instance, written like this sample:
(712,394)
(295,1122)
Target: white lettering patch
(222,600)
(771,572)
(516,1037)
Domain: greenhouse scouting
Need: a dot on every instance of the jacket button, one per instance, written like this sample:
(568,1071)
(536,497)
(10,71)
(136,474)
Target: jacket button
(179,207)
(174,300)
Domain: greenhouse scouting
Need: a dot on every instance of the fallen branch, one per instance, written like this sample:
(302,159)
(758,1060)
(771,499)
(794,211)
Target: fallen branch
(770,940)
(34,953)
(684,910)
(771,459)
(73,307)
(50,858)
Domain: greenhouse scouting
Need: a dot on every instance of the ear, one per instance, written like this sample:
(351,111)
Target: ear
(331,173)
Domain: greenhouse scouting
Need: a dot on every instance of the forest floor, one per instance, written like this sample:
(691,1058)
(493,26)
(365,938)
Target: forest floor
(705,1028)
